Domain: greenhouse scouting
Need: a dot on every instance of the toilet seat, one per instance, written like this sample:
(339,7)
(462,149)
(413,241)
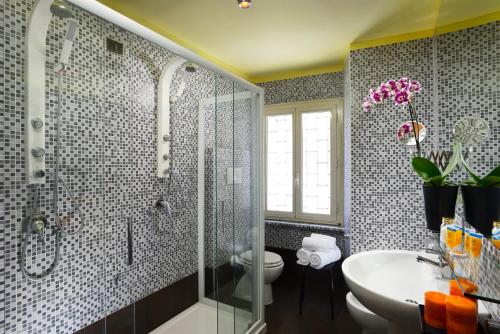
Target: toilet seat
(271,260)
(273,266)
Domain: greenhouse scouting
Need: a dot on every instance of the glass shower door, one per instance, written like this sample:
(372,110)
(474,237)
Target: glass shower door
(224,205)
(244,179)
(234,219)
(231,211)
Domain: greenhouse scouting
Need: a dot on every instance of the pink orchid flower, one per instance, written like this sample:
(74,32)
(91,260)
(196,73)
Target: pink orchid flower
(376,97)
(403,83)
(400,91)
(385,90)
(367,106)
(392,84)
(402,97)
(415,86)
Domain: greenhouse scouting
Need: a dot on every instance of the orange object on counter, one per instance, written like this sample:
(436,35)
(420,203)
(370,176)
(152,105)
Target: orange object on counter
(461,315)
(466,284)
(435,309)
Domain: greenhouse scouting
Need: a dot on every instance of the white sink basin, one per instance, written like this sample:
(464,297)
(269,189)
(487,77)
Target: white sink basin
(390,283)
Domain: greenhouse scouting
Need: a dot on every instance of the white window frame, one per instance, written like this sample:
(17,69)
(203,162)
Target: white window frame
(296,109)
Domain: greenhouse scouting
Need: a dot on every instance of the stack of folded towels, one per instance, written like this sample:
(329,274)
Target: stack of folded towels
(318,250)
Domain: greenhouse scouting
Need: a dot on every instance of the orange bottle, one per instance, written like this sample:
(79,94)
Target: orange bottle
(452,237)
(476,244)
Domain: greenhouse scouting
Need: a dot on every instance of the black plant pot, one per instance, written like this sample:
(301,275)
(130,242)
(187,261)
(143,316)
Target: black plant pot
(481,207)
(439,202)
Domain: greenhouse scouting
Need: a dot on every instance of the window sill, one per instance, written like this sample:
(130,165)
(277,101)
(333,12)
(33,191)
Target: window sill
(304,225)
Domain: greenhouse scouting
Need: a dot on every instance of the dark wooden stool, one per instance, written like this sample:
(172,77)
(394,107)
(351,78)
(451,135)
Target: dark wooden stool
(332,270)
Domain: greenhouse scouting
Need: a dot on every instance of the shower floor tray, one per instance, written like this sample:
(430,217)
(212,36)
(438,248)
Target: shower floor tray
(204,319)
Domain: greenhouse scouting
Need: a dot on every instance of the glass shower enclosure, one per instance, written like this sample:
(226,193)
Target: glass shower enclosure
(229,219)
(142,234)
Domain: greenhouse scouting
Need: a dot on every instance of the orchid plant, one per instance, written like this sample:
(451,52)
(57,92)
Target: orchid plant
(401,92)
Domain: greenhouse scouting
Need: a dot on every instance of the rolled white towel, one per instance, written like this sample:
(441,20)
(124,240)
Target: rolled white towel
(302,263)
(317,244)
(320,259)
(332,239)
(303,256)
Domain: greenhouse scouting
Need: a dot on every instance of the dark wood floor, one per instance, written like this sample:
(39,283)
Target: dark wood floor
(282,317)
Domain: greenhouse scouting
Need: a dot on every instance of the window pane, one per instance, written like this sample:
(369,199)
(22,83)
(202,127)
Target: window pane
(279,163)
(316,164)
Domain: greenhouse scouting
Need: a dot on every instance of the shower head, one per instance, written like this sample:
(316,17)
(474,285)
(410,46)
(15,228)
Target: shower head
(68,42)
(61,9)
(190,67)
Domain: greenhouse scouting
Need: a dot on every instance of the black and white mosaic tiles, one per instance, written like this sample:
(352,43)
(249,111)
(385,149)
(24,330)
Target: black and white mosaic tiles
(386,208)
(109,162)
(289,235)
(316,87)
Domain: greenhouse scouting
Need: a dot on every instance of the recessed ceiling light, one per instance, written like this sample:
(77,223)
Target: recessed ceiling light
(244,4)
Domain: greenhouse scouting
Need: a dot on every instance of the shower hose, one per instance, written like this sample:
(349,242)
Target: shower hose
(59,230)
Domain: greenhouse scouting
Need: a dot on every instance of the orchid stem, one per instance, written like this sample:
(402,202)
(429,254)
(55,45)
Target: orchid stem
(412,114)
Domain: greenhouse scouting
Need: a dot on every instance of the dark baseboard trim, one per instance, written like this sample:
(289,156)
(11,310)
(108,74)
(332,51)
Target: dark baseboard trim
(150,312)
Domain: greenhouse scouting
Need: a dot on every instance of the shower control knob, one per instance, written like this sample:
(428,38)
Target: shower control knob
(36,123)
(166,137)
(166,156)
(161,203)
(39,173)
(39,229)
(37,152)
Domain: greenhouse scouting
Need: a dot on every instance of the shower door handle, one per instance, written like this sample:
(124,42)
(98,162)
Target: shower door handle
(223,204)
(130,248)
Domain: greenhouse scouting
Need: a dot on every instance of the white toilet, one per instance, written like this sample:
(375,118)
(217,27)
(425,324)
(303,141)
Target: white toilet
(369,321)
(273,266)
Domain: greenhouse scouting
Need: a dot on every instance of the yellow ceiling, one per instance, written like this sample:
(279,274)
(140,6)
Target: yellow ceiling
(277,39)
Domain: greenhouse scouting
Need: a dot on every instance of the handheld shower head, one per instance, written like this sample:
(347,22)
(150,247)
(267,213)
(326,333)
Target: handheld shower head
(68,42)
(61,9)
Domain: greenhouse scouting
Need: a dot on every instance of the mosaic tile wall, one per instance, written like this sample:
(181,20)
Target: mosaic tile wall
(315,87)
(109,162)
(289,235)
(387,206)
(468,73)
(323,86)
(386,209)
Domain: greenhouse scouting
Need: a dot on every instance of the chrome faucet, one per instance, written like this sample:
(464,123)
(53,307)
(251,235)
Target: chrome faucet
(439,264)
(35,223)
(442,263)
(163,204)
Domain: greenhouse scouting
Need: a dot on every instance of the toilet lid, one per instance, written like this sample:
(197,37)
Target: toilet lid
(270,259)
